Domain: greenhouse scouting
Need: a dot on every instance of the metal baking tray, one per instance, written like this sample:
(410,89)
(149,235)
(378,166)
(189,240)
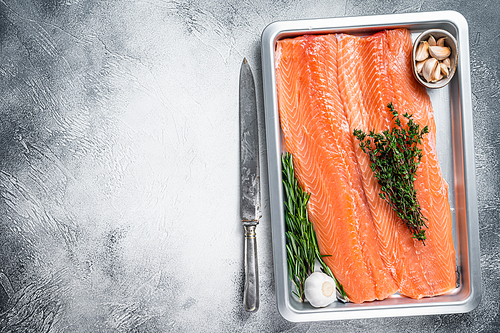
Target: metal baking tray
(453,113)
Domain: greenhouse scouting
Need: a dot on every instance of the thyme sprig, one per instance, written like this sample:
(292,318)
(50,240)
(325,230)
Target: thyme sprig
(394,159)
(302,246)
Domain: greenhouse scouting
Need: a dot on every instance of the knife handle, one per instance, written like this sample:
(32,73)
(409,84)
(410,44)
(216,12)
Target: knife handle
(251,291)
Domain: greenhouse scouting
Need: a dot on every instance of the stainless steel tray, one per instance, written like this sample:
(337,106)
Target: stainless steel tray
(453,114)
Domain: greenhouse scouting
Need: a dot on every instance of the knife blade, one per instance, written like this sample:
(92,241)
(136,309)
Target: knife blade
(250,183)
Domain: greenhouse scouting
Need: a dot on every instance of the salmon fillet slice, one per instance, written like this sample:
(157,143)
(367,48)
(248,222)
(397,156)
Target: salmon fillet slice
(366,88)
(437,257)
(317,133)
(370,77)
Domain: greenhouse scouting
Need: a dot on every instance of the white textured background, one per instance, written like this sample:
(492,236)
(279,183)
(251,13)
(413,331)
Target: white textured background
(119,157)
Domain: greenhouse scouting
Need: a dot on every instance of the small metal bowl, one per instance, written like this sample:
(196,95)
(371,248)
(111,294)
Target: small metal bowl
(451,42)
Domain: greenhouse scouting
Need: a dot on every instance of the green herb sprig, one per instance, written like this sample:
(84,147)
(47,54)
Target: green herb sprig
(302,246)
(394,159)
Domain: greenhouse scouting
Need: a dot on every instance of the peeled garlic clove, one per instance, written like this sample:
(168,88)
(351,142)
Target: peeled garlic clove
(432,41)
(437,78)
(422,52)
(420,65)
(428,68)
(436,74)
(444,69)
(439,52)
(440,41)
(447,63)
(319,289)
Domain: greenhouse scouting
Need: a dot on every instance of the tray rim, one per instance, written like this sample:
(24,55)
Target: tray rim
(280,29)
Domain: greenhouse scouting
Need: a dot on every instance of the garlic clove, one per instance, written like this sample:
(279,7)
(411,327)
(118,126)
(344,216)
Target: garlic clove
(440,41)
(444,69)
(439,52)
(447,63)
(429,68)
(436,74)
(437,78)
(419,66)
(432,41)
(422,52)
(320,289)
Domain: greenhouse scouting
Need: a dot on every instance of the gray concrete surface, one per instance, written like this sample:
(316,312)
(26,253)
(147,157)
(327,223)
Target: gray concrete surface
(119,208)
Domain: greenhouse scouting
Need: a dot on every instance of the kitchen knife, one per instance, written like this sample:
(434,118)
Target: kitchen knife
(250,184)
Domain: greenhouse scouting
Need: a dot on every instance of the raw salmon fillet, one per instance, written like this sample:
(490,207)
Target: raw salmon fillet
(329,85)
(317,133)
(366,89)
(437,257)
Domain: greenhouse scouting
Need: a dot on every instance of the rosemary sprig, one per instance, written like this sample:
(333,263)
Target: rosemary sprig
(302,246)
(394,159)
